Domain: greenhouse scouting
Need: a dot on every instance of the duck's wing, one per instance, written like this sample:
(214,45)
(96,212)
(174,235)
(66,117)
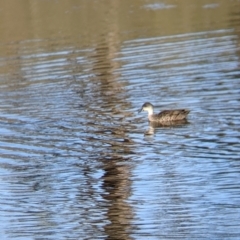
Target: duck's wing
(173,115)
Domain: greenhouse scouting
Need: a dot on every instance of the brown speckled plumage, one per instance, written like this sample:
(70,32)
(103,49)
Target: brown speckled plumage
(164,116)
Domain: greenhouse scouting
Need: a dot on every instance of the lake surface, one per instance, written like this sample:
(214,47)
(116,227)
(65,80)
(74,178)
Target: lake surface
(75,159)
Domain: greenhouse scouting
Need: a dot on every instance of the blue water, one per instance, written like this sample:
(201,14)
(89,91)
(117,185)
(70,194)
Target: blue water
(75,162)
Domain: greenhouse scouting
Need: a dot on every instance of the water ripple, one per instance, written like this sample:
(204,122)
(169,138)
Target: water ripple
(73,151)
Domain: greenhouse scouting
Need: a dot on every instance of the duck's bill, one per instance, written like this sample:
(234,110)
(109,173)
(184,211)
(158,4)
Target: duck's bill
(140,110)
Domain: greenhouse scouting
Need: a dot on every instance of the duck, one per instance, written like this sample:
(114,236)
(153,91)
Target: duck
(164,116)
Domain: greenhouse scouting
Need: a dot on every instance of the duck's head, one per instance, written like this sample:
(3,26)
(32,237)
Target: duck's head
(148,107)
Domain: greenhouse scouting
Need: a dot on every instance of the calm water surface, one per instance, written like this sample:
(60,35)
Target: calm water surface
(75,162)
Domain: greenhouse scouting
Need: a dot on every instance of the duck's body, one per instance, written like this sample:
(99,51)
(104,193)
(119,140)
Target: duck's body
(164,116)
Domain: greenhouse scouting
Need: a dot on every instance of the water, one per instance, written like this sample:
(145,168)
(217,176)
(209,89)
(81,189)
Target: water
(75,162)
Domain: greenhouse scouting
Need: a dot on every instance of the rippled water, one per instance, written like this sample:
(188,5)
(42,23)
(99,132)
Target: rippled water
(75,162)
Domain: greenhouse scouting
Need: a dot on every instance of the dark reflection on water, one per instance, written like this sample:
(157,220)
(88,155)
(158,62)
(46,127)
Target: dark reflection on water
(75,162)
(154,126)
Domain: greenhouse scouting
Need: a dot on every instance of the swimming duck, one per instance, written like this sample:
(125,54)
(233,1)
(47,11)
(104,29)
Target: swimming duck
(164,116)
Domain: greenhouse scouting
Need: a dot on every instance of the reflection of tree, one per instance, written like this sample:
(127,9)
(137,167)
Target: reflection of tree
(117,186)
(109,90)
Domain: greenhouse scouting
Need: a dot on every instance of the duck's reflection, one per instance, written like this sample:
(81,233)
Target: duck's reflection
(153,126)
